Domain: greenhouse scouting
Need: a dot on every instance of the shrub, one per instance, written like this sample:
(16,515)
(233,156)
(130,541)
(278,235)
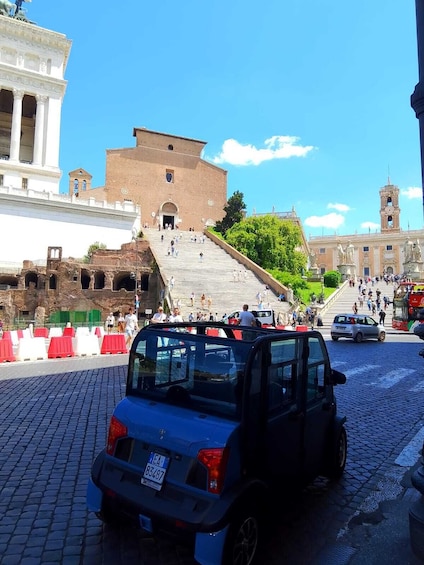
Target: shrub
(332,279)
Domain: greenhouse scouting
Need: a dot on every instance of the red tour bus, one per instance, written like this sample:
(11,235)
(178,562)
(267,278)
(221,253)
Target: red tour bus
(407,301)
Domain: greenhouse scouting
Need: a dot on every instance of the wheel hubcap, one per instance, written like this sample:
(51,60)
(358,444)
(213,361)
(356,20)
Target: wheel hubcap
(246,542)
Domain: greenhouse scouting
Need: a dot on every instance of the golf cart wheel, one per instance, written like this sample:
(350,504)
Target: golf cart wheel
(382,336)
(358,337)
(107,516)
(337,455)
(334,338)
(242,539)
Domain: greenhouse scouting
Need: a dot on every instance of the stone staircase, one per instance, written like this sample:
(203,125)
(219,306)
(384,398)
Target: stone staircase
(223,280)
(346,297)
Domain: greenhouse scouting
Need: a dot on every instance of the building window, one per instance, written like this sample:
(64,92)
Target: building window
(322,250)
(170,147)
(389,247)
(25,183)
(389,201)
(366,248)
(169,175)
(84,185)
(390,221)
(76,187)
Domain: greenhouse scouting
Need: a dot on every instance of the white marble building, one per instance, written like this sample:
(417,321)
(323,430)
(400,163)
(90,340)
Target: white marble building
(33,215)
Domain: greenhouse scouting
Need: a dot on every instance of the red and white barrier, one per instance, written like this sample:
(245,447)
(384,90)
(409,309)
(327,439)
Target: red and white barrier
(86,345)
(31,349)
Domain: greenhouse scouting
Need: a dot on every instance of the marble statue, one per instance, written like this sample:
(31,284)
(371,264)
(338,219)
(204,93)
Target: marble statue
(342,254)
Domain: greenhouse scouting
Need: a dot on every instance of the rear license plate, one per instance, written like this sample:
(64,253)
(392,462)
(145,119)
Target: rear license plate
(155,470)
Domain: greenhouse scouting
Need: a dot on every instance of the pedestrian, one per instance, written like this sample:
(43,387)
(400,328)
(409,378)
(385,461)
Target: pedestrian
(246,318)
(110,322)
(175,317)
(203,301)
(131,326)
(312,319)
(201,256)
(159,317)
(192,297)
(121,323)
(382,316)
(171,282)
(355,308)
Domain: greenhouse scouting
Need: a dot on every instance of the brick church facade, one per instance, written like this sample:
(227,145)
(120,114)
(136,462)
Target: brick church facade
(166,176)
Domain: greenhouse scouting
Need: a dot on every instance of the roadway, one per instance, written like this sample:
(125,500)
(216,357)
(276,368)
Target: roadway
(53,420)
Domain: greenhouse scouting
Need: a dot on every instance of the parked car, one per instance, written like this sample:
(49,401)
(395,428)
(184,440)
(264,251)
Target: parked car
(216,422)
(265,317)
(357,327)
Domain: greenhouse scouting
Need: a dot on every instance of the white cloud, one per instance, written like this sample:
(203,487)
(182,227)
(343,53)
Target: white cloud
(412,192)
(331,221)
(370,226)
(276,147)
(338,207)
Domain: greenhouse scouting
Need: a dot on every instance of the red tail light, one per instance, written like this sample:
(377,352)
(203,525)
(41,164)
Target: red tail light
(215,460)
(116,431)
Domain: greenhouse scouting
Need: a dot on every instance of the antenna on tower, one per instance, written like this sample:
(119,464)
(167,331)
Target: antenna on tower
(388,175)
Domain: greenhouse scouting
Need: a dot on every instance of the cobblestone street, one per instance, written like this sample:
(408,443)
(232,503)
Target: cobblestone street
(53,420)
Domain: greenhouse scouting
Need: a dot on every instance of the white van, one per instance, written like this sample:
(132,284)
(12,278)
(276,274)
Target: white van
(266,317)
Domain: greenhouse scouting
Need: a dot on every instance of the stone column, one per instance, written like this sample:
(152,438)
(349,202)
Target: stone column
(39,130)
(15,138)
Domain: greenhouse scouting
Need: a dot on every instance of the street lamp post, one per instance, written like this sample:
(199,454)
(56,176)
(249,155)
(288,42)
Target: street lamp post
(137,296)
(416,511)
(417,97)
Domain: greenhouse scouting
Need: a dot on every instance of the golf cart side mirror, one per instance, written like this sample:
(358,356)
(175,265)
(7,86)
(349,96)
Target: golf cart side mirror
(337,378)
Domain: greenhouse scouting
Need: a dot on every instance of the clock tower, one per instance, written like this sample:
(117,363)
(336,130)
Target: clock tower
(389,208)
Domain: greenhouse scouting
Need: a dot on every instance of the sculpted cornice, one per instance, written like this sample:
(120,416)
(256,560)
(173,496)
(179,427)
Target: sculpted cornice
(34,36)
(31,84)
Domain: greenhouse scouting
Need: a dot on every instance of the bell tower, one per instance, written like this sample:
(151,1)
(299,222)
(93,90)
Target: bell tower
(389,208)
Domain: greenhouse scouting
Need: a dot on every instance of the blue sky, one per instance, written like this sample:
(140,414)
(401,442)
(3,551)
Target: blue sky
(306,103)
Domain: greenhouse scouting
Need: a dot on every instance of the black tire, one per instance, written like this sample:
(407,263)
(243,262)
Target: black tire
(358,337)
(107,516)
(242,540)
(334,338)
(337,454)
(382,336)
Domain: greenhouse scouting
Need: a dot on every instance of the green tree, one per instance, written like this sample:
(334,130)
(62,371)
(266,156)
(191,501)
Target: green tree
(92,248)
(272,243)
(234,212)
